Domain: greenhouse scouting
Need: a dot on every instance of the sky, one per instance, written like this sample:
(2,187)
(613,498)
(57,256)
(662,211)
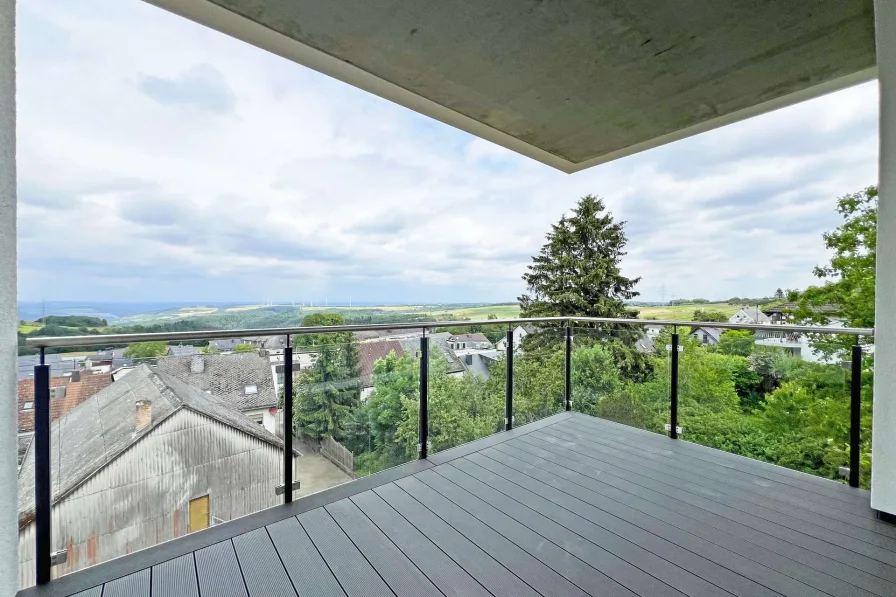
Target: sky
(159,160)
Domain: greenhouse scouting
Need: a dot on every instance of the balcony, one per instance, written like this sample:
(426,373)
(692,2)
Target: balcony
(568,504)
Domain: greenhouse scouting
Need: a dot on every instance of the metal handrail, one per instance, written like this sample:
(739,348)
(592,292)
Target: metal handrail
(102,339)
(44,559)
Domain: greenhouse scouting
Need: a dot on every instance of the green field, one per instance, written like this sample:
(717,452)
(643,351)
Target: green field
(28,326)
(684,312)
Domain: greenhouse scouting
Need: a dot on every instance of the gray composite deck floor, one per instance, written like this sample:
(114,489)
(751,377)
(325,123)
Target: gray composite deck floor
(570,505)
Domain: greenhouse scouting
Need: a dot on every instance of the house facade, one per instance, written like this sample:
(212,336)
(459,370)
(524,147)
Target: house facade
(242,380)
(749,315)
(146,460)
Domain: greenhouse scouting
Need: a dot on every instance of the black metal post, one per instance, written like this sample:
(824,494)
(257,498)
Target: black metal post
(287,422)
(423,429)
(855,416)
(673,427)
(508,406)
(42,495)
(568,368)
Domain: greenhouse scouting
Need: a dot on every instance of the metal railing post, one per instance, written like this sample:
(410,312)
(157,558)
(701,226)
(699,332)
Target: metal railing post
(855,415)
(423,426)
(287,422)
(673,424)
(568,368)
(42,488)
(508,396)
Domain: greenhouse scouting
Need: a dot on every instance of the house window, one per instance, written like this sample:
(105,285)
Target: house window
(251,390)
(28,406)
(705,338)
(257,418)
(199,514)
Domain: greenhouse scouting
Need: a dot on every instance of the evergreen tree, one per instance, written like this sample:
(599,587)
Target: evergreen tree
(326,394)
(577,272)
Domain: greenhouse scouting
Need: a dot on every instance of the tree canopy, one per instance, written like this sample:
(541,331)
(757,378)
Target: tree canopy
(146,350)
(849,277)
(577,272)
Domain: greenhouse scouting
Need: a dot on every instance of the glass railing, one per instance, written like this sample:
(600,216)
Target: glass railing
(171,438)
(622,374)
(539,388)
(779,397)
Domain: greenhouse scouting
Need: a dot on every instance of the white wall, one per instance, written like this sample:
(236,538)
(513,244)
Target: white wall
(8,312)
(269,421)
(883,464)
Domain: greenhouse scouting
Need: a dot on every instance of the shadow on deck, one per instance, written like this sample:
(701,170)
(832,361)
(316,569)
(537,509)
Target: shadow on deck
(569,505)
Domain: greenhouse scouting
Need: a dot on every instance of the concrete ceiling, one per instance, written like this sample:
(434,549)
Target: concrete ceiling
(571,83)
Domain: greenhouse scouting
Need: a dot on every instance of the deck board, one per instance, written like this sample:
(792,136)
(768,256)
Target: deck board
(175,578)
(747,522)
(571,505)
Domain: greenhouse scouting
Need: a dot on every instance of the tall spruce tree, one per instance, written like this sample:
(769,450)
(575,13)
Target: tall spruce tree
(577,272)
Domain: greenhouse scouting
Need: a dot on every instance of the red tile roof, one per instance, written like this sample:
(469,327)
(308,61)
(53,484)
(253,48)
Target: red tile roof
(371,352)
(75,393)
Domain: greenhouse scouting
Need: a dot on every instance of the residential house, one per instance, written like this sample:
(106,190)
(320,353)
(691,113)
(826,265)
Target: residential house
(470,341)
(301,360)
(241,380)
(225,345)
(749,315)
(646,344)
(66,392)
(370,353)
(479,362)
(270,344)
(707,336)
(519,332)
(181,351)
(147,459)
(439,345)
(782,313)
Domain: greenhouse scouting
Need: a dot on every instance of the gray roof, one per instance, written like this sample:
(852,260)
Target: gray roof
(436,342)
(714,333)
(474,337)
(100,429)
(227,376)
(181,350)
(754,312)
(478,363)
(227,344)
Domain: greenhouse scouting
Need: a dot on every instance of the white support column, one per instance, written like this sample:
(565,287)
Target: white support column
(9,540)
(883,467)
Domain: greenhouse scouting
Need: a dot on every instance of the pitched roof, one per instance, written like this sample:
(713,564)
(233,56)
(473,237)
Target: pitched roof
(437,343)
(179,351)
(715,333)
(95,433)
(76,392)
(226,376)
(474,337)
(789,307)
(371,352)
(753,312)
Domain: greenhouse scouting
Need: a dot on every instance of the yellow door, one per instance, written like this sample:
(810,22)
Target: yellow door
(199,513)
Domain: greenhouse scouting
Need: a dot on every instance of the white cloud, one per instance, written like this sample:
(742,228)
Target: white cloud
(159,160)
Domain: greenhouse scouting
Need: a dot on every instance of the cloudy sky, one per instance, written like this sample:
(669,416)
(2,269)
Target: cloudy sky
(161,161)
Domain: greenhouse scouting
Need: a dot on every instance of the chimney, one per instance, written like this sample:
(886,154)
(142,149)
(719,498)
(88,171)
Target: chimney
(197,364)
(76,375)
(144,414)
(58,392)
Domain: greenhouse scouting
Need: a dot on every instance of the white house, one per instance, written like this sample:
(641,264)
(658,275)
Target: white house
(519,332)
(707,336)
(749,315)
